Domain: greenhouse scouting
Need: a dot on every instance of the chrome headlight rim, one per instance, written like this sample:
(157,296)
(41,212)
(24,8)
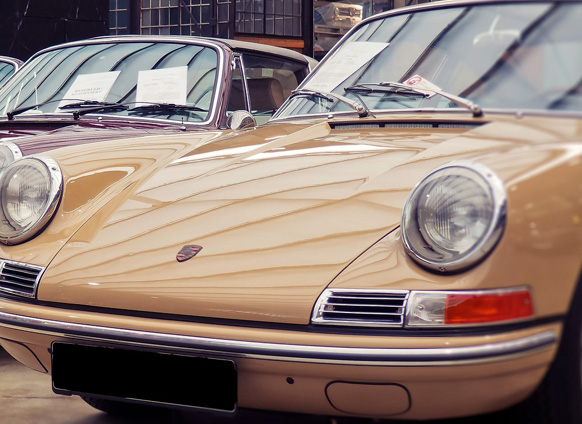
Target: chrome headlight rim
(50,206)
(489,239)
(13,149)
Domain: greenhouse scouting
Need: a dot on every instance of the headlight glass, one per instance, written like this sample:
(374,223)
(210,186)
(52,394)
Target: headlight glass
(454,217)
(29,193)
(9,152)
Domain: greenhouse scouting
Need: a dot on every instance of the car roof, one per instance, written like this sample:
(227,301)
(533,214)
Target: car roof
(451,3)
(235,45)
(238,45)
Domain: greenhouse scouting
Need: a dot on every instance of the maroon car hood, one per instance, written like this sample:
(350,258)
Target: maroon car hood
(38,136)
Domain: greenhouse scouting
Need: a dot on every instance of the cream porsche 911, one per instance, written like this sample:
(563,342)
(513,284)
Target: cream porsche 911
(402,240)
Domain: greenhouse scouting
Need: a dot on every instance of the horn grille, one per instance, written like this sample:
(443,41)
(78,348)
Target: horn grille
(364,308)
(19,279)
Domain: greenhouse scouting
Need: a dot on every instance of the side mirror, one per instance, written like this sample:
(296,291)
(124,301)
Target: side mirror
(240,120)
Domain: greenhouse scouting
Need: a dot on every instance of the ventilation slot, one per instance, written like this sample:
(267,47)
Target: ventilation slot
(361,308)
(404,125)
(19,279)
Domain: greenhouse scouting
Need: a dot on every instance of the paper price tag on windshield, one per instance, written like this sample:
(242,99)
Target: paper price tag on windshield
(423,85)
(162,86)
(90,87)
(347,61)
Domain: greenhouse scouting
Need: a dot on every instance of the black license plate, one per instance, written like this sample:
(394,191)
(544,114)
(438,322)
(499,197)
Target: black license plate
(144,376)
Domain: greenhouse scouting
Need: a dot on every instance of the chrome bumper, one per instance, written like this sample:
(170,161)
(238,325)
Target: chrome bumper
(460,355)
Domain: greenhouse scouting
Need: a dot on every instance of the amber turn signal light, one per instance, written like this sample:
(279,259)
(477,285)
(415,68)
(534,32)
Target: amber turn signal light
(475,307)
(485,308)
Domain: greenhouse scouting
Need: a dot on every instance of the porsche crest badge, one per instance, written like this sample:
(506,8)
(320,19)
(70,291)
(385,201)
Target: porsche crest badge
(188,252)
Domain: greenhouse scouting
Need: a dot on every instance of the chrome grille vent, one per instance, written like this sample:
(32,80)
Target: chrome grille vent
(19,278)
(364,308)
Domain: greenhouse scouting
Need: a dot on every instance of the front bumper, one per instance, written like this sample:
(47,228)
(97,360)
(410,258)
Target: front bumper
(315,373)
(290,352)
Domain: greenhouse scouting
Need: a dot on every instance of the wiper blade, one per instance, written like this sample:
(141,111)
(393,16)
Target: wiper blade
(397,87)
(91,105)
(18,111)
(382,88)
(100,106)
(167,106)
(86,103)
(357,106)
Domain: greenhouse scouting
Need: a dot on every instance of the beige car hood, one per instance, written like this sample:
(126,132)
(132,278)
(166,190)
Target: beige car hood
(279,212)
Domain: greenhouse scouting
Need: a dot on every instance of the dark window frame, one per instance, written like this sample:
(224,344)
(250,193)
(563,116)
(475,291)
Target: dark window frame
(263,16)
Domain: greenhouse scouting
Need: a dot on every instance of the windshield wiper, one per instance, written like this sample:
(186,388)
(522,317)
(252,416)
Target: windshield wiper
(399,88)
(382,88)
(15,112)
(145,107)
(167,106)
(90,106)
(85,103)
(87,106)
(358,107)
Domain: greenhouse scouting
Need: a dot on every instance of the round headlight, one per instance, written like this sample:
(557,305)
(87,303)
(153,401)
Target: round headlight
(30,190)
(9,152)
(454,217)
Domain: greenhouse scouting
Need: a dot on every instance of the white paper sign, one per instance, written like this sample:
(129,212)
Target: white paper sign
(162,86)
(344,63)
(423,85)
(92,87)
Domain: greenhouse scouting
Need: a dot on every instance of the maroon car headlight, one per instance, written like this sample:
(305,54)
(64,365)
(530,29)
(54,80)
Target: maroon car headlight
(30,190)
(9,152)
(454,217)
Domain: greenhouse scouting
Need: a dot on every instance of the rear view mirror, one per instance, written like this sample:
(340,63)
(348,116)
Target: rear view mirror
(240,120)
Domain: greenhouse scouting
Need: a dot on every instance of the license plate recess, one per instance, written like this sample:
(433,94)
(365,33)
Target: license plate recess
(146,376)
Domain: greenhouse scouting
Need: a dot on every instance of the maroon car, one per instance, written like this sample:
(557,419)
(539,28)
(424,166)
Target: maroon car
(8,66)
(131,86)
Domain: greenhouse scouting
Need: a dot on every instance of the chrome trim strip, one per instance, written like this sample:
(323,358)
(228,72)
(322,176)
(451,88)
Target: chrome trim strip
(414,115)
(460,355)
(17,65)
(246,92)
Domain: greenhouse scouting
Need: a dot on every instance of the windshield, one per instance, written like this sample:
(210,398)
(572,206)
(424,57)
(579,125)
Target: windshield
(135,74)
(6,71)
(504,56)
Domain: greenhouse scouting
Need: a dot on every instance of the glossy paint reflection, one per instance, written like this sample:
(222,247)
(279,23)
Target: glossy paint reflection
(278,221)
